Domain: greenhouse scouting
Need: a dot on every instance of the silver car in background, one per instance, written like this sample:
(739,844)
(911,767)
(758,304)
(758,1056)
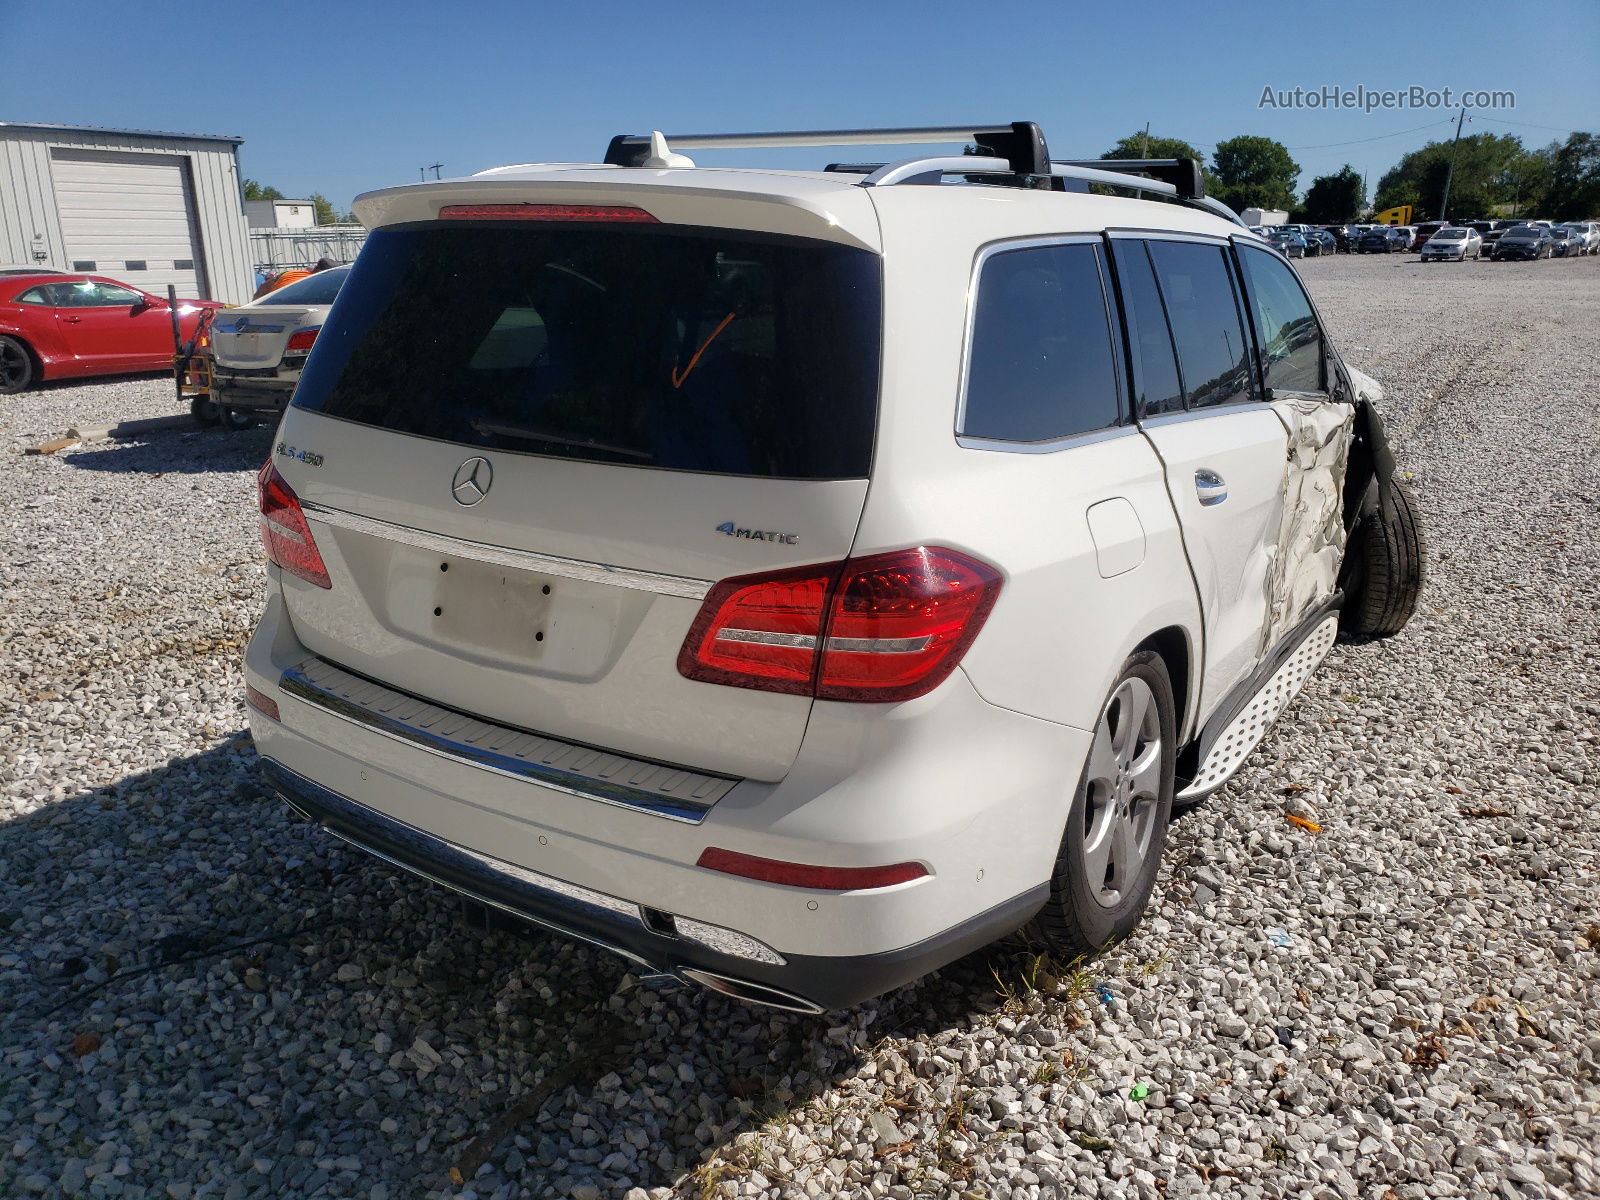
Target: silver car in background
(1453,244)
(258,349)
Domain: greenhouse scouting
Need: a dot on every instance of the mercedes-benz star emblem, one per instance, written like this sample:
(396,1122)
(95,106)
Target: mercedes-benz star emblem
(472,481)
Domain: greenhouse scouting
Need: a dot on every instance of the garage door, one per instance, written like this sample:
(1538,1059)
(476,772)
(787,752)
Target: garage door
(130,217)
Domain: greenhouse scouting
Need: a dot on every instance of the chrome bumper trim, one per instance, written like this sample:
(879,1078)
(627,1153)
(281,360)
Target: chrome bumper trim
(542,898)
(675,793)
(505,556)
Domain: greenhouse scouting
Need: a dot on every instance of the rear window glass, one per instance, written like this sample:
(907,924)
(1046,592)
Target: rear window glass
(1042,365)
(1155,369)
(653,346)
(320,288)
(1204,315)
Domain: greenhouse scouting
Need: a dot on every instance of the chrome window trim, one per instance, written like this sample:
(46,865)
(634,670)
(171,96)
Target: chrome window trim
(1054,446)
(1200,414)
(297,683)
(1113,336)
(505,556)
(1172,235)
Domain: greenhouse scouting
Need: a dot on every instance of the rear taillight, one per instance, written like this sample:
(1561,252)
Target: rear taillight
(885,627)
(284,531)
(546,212)
(301,341)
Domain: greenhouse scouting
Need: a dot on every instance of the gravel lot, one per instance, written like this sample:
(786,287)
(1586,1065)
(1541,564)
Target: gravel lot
(201,997)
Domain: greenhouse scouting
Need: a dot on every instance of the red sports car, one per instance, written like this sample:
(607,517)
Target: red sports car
(56,326)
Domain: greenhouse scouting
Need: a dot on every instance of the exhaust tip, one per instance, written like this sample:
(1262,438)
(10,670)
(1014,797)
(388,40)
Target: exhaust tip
(751,993)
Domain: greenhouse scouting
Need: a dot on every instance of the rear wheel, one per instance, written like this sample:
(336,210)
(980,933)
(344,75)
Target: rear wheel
(16,366)
(204,410)
(1383,569)
(1117,826)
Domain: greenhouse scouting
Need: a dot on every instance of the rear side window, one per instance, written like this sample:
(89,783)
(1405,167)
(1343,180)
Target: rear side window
(651,345)
(1212,348)
(1155,368)
(1286,327)
(1041,365)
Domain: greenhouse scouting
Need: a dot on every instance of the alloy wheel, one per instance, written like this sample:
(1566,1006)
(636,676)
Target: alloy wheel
(1123,792)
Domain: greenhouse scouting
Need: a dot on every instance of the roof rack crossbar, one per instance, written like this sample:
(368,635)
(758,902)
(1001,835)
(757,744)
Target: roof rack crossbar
(1020,142)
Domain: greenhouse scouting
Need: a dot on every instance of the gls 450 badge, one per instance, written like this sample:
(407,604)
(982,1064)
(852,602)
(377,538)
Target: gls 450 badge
(310,457)
(757,535)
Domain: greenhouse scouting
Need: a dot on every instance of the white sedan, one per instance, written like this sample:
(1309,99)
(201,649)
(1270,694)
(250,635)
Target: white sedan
(1455,243)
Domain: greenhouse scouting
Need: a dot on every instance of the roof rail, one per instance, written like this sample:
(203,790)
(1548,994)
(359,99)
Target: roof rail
(1020,143)
(1182,174)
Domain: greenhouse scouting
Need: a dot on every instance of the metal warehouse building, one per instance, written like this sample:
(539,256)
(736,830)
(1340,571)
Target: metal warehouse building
(146,208)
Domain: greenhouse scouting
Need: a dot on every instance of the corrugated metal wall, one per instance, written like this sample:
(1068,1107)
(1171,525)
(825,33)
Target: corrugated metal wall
(29,218)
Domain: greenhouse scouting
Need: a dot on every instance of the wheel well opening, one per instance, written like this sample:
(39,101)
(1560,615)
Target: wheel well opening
(1173,646)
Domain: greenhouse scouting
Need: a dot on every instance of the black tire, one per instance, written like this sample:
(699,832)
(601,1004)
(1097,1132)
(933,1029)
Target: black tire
(238,418)
(204,410)
(1074,921)
(1384,568)
(17,368)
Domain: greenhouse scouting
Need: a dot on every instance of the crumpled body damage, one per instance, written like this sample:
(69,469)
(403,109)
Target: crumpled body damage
(1304,571)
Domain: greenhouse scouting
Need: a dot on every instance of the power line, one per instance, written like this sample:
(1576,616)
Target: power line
(1524,124)
(1378,138)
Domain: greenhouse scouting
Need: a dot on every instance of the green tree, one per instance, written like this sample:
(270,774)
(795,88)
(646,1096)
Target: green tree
(1334,199)
(1572,192)
(1254,172)
(1134,146)
(1490,170)
(324,209)
(254,191)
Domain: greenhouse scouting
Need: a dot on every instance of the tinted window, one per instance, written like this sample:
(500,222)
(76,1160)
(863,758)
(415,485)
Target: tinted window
(646,345)
(1157,387)
(320,288)
(1286,328)
(87,293)
(1212,349)
(1041,364)
(34,295)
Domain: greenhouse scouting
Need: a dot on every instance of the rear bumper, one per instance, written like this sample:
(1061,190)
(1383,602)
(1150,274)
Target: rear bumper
(655,942)
(976,793)
(263,393)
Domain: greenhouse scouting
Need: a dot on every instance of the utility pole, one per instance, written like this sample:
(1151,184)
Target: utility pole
(1144,149)
(434,167)
(1449,172)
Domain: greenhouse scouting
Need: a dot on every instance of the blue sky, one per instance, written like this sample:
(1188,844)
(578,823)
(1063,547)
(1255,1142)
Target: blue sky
(342,98)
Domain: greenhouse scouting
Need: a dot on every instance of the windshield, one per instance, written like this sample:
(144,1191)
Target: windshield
(320,288)
(1449,235)
(1522,231)
(693,349)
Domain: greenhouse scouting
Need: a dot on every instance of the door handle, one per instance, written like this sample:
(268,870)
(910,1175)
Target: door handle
(72,320)
(1209,487)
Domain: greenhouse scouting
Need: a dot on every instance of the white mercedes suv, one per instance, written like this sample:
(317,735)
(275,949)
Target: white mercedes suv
(793,581)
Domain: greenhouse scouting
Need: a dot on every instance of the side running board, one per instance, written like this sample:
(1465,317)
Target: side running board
(1233,744)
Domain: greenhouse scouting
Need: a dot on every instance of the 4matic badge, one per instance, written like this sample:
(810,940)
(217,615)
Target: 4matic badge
(757,535)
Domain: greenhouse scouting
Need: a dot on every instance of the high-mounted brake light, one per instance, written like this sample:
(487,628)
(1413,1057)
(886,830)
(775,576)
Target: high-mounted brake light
(885,627)
(546,212)
(284,531)
(301,341)
(832,879)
